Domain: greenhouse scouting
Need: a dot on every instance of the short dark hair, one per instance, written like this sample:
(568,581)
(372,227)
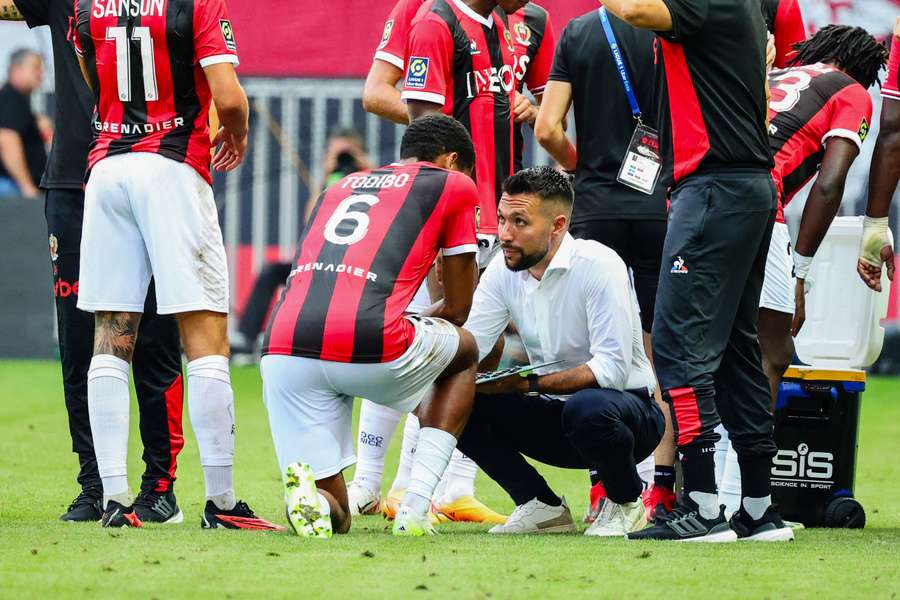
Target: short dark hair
(429,136)
(853,49)
(545,182)
(20,55)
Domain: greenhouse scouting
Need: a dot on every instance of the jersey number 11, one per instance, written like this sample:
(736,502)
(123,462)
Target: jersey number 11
(123,61)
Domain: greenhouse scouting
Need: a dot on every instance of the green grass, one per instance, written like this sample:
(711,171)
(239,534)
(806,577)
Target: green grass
(41,557)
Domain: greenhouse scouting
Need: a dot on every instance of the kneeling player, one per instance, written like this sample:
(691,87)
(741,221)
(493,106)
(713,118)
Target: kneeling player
(339,330)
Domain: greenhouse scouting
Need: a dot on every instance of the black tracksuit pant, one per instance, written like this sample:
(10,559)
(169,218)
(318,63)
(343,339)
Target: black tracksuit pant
(270,278)
(705,346)
(156,365)
(606,430)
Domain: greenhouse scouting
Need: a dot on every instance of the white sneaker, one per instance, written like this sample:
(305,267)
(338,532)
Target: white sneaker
(409,524)
(536,517)
(307,510)
(618,520)
(363,501)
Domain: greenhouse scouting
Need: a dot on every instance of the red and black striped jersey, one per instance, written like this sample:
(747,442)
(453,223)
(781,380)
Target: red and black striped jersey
(392,47)
(715,66)
(369,244)
(534,42)
(785,21)
(145,60)
(464,62)
(810,105)
(891,88)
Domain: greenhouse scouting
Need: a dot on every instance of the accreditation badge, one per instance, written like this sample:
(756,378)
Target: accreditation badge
(643,163)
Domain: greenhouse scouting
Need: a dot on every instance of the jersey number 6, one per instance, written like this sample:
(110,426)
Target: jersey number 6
(346,227)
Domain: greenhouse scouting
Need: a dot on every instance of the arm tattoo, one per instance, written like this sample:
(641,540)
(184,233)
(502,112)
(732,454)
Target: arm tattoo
(9,12)
(116,334)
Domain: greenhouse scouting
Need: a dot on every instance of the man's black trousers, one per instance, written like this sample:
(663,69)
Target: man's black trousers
(156,365)
(606,430)
(705,346)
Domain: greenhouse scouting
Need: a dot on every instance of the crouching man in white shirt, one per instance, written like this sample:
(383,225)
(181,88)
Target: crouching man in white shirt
(571,300)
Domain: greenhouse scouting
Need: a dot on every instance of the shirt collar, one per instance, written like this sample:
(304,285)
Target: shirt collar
(562,260)
(487,22)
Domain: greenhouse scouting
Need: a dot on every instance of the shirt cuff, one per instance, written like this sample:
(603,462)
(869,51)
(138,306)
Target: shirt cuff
(424,96)
(389,58)
(889,93)
(218,59)
(464,249)
(604,380)
(843,133)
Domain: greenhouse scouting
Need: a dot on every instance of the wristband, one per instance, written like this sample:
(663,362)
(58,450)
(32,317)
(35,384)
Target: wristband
(874,238)
(533,387)
(801,265)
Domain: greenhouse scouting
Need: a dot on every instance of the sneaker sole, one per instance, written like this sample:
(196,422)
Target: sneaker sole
(555,529)
(302,503)
(723,537)
(785,534)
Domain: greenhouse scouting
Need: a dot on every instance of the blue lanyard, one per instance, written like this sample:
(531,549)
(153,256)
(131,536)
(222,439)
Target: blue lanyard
(620,63)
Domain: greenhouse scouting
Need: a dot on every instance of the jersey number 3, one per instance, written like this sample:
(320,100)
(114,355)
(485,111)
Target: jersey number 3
(123,61)
(346,227)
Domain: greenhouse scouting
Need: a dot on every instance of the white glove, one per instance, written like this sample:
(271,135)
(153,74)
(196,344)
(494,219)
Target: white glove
(875,237)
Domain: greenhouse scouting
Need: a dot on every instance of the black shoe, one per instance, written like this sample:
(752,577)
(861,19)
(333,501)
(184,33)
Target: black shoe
(239,517)
(769,528)
(158,507)
(87,506)
(117,515)
(684,524)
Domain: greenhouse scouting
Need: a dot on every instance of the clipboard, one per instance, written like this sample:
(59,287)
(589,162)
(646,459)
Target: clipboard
(522,371)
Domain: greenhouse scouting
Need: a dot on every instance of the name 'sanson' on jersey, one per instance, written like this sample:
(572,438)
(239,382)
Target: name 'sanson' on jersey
(127,8)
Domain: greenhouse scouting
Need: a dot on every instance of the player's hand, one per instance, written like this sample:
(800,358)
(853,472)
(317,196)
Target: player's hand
(507,385)
(871,275)
(799,307)
(524,110)
(231,151)
(770,52)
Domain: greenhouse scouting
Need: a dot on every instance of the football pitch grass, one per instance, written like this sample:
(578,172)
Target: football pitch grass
(41,557)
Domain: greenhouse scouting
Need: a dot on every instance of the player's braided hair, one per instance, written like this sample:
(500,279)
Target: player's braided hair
(429,136)
(545,182)
(853,49)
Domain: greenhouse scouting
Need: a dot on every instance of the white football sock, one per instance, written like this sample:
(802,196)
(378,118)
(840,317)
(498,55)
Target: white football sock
(432,457)
(721,450)
(377,424)
(730,488)
(708,503)
(646,470)
(756,507)
(407,452)
(108,411)
(459,480)
(211,407)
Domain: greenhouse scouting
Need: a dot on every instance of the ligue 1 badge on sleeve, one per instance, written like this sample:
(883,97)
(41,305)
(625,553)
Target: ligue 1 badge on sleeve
(417,72)
(386,35)
(509,42)
(228,34)
(863,130)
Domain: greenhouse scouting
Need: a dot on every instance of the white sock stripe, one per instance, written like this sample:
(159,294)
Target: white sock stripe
(107,365)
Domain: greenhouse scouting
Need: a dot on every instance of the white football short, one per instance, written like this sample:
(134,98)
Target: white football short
(310,401)
(146,216)
(488,247)
(778,286)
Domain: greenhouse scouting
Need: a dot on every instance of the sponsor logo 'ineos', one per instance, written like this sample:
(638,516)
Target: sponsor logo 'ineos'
(490,81)
(803,464)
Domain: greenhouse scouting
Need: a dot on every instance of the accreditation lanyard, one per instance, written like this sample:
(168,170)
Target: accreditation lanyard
(642,164)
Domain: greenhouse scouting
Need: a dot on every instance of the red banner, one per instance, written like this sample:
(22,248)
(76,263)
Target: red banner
(328,38)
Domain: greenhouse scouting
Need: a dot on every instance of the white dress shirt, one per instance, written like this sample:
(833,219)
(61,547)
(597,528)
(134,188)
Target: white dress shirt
(583,311)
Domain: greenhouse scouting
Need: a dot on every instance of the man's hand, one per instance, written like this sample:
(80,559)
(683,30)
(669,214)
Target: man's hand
(799,307)
(524,110)
(507,385)
(231,152)
(9,11)
(875,250)
(770,52)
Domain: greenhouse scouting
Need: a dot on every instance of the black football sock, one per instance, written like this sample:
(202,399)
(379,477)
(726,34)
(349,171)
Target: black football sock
(664,476)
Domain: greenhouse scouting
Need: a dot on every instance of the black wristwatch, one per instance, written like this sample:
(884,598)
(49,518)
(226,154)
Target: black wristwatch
(533,387)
